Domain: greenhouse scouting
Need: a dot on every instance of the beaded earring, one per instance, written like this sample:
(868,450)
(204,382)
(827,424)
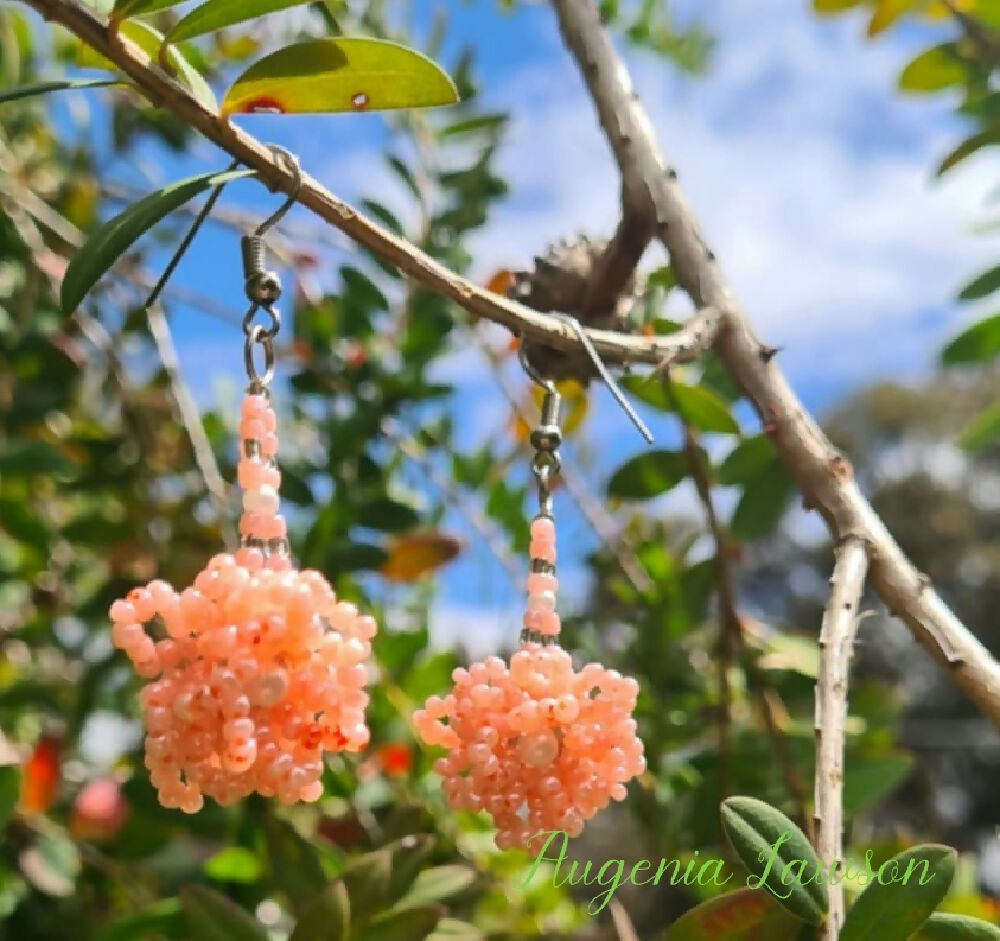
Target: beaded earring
(537,745)
(260,668)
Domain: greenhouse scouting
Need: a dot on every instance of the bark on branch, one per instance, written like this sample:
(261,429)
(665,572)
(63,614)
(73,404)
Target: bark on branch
(164,91)
(836,643)
(824,476)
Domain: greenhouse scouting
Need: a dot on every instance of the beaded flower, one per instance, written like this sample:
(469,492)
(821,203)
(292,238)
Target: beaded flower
(259,670)
(537,745)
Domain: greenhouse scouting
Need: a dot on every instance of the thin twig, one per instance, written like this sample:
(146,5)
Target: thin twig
(823,474)
(836,643)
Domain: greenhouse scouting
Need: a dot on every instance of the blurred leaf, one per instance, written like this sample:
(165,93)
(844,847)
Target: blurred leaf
(834,6)
(294,863)
(982,430)
(753,829)
(784,651)
(982,286)
(892,912)
(233,864)
(744,915)
(451,929)
(438,884)
(218,14)
(51,864)
(941,927)
(414,924)
(10,787)
(408,857)
(367,880)
(869,779)
(386,515)
(987,138)
(747,460)
(763,503)
(648,475)
(124,8)
(328,917)
(416,554)
(703,409)
(482,122)
(150,40)
(933,70)
(977,344)
(110,240)
(888,12)
(163,917)
(213,917)
(354,74)
(27,456)
(43,88)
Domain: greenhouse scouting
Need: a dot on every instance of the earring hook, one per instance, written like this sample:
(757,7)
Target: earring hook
(292,163)
(602,370)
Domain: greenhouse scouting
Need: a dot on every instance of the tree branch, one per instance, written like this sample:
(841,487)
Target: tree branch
(836,643)
(823,474)
(164,91)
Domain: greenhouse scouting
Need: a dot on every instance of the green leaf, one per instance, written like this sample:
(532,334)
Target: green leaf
(968,147)
(703,409)
(762,835)
(941,927)
(933,70)
(233,864)
(982,430)
(218,14)
(328,75)
(748,460)
(744,915)
(51,864)
(107,243)
(648,475)
(295,864)
(483,122)
(451,929)
(438,884)
(43,88)
(386,515)
(408,856)
(835,6)
(161,919)
(868,779)
(985,284)
(367,881)
(213,917)
(123,8)
(150,40)
(328,916)
(895,904)
(764,501)
(413,924)
(10,788)
(977,344)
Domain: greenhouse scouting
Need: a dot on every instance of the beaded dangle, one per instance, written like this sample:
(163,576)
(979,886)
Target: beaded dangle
(538,745)
(259,668)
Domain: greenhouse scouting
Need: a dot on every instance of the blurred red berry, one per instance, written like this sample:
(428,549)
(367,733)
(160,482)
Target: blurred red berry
(395,760)
(98,811)
(40,781)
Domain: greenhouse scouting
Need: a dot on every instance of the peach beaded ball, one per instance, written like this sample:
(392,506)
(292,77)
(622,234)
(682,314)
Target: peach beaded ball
(261,668)
(537,745)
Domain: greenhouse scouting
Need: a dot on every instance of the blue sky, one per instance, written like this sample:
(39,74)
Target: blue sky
(811,176)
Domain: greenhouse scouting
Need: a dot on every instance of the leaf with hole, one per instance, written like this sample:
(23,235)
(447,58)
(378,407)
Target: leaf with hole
(150,40)
(110,240)
(328,916)
(903,893)
(942,927)
(648,475)
(218,14)
(977,344)
(777,855)
(333,75)
(744,915)
(44,88)
(213,917)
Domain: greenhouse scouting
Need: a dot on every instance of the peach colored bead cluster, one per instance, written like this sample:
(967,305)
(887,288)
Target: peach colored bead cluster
(539,745)
(260,670)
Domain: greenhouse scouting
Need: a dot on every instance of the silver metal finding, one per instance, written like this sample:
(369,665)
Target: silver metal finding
(258,336)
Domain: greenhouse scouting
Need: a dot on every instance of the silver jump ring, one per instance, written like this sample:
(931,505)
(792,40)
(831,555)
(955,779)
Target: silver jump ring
(271,331)
(258,335)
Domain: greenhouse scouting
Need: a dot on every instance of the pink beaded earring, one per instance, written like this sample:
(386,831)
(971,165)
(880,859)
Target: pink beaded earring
(261,668)
(537,745)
